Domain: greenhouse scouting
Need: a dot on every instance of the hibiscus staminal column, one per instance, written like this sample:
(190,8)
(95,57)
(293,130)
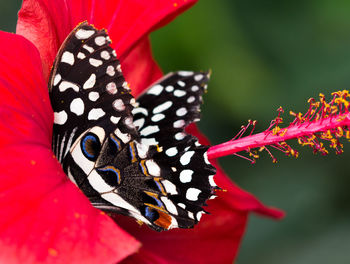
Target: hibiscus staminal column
(323,122)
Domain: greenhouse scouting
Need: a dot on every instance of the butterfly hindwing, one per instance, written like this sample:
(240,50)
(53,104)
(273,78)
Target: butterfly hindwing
(164,111)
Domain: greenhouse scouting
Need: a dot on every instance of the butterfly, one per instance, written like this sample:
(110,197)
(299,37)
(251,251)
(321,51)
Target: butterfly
(130,157)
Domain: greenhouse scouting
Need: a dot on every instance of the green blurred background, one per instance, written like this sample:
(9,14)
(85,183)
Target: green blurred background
(265,55)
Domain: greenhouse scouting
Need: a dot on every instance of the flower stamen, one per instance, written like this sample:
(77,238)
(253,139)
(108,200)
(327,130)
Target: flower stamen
(323,122)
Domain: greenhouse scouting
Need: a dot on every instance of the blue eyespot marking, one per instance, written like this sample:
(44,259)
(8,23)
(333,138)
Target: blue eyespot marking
(90,146)
(111,172)
(132,152)
(158,202)
(143,168)
(160,187)
(116,141)
(150,214)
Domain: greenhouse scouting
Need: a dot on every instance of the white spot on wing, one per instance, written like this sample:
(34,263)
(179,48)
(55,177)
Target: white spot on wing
(180,136)
(96,113)
(57,79)
(179,93)
(171,152)
(152,168)
(100,40)
(205,156)
(81,56)
(185,73)
(77,106)
(149,141)
(105,55)
(183,206)
(95,62)
(195,88)
(149,130)
(68,57)
(139,122)
(199,215)
(181,83)
(114,119)
(64,85)
(123,136)
(186,176)
(90,82)
(93,96)
(191,99)
(88,48)
(169,205)
(169,88)
(111,88)
(110,70)
(198,77)
(186,158)
(181,112)
(211,181)
(162,107)
(142,150)
(84,34)
(118,105)
(140,110)
(169,187)
(60,118)
(157,117)
(155,90)
(179,123)
(192,194)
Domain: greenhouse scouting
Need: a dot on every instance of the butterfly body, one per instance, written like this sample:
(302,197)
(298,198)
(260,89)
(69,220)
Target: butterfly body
(128,157)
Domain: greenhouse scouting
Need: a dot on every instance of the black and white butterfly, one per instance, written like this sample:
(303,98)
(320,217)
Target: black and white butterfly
(129,157)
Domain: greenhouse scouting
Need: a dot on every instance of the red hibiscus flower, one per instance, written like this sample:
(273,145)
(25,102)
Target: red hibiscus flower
(44,217)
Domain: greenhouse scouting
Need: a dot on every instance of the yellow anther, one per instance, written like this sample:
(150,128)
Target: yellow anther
(275,130)
(339,132)
(282,132)
(334,109)
(311,100)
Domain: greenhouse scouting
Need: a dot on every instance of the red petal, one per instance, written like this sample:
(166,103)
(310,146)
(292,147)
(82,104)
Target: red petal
(44,218)
(215,239)
(47,23)
(145,71)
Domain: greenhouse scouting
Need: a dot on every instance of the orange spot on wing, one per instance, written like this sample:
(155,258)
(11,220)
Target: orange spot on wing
(164,220)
